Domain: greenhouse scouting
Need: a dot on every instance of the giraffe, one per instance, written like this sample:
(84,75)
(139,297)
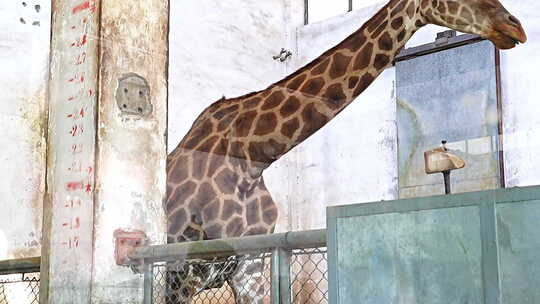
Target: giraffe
(215,186)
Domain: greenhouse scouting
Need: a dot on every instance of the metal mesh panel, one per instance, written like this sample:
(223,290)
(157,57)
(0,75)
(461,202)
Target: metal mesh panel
(19,288)
(209,277)
(309,276)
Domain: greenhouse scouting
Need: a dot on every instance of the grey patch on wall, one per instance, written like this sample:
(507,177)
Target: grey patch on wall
(133,96)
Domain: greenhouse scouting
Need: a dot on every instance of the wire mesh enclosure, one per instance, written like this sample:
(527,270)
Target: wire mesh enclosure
(280,268)
(308,278)
(19,288)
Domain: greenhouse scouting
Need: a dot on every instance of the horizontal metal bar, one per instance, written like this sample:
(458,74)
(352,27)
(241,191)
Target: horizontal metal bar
(231,246)
(26,265)
(435,47)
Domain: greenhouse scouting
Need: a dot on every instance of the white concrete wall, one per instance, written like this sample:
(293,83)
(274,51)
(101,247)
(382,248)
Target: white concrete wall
(24,58)
(520,71)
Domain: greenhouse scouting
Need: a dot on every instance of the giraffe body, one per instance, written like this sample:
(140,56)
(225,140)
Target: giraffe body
(215,187)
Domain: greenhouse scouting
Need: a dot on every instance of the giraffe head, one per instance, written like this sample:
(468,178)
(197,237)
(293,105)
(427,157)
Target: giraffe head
(486,18)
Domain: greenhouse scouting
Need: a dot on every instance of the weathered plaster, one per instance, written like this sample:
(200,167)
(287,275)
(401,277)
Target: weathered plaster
(130,176)
(24,55)
(520,100)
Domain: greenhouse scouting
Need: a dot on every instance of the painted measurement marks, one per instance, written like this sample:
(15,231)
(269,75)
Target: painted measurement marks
(79,137)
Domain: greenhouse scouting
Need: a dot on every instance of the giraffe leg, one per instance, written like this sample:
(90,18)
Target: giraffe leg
(247,282)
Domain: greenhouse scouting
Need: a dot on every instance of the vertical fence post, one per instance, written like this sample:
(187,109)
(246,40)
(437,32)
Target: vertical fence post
(274,273)
(285,276)
(281,276)
(148,269)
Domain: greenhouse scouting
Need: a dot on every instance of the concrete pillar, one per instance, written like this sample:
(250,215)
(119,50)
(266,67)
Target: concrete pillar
(107,148)
(69,204)
(131,138)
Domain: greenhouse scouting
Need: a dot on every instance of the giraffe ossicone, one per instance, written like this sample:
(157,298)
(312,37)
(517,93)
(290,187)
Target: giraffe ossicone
(215,187)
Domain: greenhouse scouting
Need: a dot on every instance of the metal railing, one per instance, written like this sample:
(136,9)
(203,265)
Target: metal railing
(19,281)
(291,268)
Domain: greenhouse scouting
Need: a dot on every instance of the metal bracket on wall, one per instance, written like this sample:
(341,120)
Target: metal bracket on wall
(125,243)
(133,95)
(283,55)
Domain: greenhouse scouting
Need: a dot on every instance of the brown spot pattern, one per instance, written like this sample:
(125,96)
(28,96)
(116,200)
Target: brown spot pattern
(397,23)
(230,208)
(211,211)
(399,8)
(379,30)
(289,127)
(321,67)
(226,181)
(252,212)
(313,121)
(235,227)
(270,216)
(221,113)
(339,65)
(365,81)
(377,20)
(381,60)
(265,152)
(294,84)
(353,81)
(214,232)
(266,124)
(178,171)
(411,9)
(334,97)
(207,145)
(354,42)
(291,105)
(453,7)
(467,15)
(243,123)
(273,101)
(199,165)
(401,35)
(176,221)
(313,86)
(199,134)
(226,122)
(252,103)
(385,42)
(363,59)
(205,195)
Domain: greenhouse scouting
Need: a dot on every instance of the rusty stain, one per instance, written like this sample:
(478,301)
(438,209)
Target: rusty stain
(33,115)
(416,134)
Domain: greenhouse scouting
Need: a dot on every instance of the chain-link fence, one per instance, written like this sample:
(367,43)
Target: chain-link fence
(308,277)
(210,280)
(275,274)
(19,288)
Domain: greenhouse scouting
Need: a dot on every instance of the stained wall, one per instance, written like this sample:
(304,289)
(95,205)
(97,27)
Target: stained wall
(24,58)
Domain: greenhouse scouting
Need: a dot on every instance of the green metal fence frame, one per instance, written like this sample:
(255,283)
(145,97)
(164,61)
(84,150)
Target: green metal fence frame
(25,265)
(279,244)
(485,200)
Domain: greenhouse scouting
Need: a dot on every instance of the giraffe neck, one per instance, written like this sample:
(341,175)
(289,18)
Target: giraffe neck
(316,93)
